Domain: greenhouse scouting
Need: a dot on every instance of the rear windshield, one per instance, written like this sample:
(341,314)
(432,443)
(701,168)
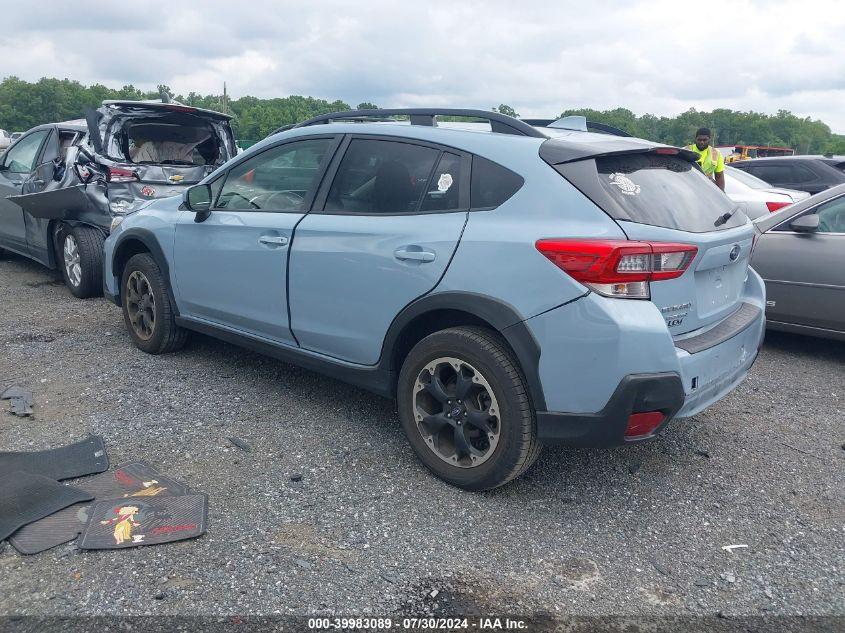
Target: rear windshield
(176,139)
(654,189)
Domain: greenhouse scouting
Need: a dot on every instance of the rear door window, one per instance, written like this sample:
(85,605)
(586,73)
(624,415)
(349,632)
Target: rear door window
(772,174)
(377,176)
(655,189)
(444,190)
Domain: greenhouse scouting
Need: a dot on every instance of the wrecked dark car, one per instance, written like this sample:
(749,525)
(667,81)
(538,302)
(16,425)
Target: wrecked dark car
(64,186)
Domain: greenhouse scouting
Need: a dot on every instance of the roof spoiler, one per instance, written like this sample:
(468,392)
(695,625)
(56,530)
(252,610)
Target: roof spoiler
(577,123)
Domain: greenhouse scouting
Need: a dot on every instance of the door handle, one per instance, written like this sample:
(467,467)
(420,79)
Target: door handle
(417,256)
(273,240)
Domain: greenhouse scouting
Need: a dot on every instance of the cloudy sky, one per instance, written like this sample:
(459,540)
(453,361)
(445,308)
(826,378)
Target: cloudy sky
(657,56)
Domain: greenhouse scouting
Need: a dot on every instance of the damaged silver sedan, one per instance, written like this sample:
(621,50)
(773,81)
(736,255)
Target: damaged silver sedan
(64,186)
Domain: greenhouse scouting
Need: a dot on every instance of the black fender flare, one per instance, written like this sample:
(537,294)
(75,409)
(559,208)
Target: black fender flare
(503,317)
(150,242)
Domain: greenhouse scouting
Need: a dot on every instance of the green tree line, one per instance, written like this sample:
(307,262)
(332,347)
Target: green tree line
(26,104)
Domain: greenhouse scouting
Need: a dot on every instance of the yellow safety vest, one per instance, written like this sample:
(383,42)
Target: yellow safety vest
(709,161)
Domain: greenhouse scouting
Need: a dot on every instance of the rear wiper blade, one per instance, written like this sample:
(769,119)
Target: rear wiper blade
(725,217)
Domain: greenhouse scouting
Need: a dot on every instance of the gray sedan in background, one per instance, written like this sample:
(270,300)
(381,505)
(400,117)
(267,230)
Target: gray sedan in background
(800,253)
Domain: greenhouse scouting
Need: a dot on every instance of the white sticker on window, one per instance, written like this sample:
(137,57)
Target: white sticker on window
(444,182)
(625,184)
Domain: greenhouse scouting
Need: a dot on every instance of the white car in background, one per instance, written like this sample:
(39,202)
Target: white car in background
(756,197)
(5,139)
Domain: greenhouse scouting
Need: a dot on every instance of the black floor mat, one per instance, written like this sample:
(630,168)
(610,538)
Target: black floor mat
(83,458)
(118,524)
(25,498)
(136,479)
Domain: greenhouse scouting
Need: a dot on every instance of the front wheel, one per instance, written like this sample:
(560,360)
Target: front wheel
(148,311)
(81,260)
(465,408)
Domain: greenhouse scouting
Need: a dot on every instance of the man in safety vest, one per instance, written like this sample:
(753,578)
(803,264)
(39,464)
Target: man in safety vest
(710,160)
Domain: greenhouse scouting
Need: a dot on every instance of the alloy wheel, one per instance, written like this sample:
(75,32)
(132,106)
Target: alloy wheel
(141,305)
(73,266)
(456,412)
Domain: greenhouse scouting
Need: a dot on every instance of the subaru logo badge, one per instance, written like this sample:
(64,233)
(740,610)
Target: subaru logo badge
(735,251)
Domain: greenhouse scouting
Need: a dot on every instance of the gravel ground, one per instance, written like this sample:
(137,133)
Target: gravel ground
(632,531)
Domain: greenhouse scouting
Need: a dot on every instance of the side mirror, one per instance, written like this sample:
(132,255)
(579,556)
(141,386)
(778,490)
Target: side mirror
(805,224)
(198,198)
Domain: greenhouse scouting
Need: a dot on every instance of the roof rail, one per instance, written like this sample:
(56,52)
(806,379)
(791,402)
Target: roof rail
(592,126)
(500,123)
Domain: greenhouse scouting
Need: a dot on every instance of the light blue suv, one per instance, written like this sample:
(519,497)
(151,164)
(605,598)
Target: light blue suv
(510,283)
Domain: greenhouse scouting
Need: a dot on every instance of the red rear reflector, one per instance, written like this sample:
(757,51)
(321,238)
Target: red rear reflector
(118,174)
(666,150)
(643,424)
(775,206)
(613,267)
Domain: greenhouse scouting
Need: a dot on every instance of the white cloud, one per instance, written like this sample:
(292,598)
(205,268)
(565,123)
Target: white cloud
(656,56)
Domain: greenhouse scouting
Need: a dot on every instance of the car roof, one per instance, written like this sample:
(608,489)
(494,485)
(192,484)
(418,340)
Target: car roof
(767,222)
(562,140)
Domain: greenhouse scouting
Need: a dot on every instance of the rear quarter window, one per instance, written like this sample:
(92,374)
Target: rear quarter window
(491,184)
(654,189)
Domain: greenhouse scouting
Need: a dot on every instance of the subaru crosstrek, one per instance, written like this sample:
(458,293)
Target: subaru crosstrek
(509,284)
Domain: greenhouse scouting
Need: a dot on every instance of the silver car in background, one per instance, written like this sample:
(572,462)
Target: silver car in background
(800,253)
(756,197)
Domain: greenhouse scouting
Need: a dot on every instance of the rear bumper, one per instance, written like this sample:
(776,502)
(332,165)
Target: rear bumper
(636,393)
(604,359)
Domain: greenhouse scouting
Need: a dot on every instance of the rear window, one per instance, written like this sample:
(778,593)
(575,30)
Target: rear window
(166,139)
(654,189)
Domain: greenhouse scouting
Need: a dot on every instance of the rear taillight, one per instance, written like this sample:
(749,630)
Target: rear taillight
(618,268)
(776,206)
(119,174)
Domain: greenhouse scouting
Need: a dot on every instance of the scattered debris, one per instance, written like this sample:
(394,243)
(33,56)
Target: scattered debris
(702,453)
(240,444)
(660,568)
(49,282)
(433,594)
(795,448)
(159,596)
(302,563)
(633,467)
(702,582)
(728,577)
(730,548)
(296,477)
(20,401)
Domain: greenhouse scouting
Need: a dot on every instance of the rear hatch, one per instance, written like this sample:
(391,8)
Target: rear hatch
(155,150)
(658,195)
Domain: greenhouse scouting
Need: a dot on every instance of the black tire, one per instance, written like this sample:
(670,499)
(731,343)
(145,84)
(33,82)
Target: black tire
(162,335)
(83,273)
(483,350)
